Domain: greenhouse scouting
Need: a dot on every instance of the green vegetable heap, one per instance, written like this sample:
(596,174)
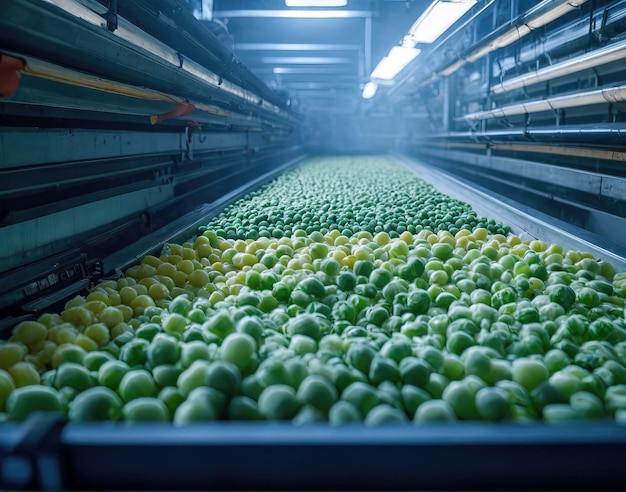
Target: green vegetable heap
(347,290)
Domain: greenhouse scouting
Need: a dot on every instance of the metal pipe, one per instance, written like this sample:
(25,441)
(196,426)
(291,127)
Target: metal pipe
(45,70)
(368,46)
(540,15)
(610,95)
(602,56)
(135,36)
(566,40)
(591,134)
(610,155)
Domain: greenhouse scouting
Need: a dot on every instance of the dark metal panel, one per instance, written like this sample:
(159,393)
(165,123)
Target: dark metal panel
(37,28)
(43,146)
(283,456)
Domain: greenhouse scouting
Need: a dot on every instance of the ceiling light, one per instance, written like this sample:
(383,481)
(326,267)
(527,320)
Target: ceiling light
(437,19)
(391,65)
(408,41)
(316,3)
(369,90)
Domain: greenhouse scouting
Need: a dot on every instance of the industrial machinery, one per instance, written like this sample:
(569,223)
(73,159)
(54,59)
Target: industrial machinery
(127,124)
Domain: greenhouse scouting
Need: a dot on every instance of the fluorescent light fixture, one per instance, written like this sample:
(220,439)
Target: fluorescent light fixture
(369,90)
(306,60)
(437,19)
(292,14)
(391,65)
(316,3)
(408,41)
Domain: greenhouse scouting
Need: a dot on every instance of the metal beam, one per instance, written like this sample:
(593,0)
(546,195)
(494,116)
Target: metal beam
(320,85)
(332,71)
(295,47)
(306,60)
(295,14)
(368,47)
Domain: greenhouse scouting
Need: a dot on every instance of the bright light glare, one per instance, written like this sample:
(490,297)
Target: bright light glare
(391,65)
(408,41)
(369,90)
(316,3)
(437,19)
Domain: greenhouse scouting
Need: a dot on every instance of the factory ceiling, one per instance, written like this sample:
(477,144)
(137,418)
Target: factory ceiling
(318,58)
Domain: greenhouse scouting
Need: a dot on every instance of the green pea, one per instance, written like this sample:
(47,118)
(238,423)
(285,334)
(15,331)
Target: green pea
(434,411)
(344,412)
(28,399)
(384,414)
(146,409)
(95,404)
(278,402)
(243,408)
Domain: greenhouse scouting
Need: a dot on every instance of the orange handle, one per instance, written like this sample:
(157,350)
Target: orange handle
(10,74)
(182,109)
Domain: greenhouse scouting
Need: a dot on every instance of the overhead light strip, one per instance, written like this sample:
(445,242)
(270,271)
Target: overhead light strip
(293,14)
(437,19)
(370,89)
(540,15)
(296,47)
(316,3)
(391,65)
(306,60)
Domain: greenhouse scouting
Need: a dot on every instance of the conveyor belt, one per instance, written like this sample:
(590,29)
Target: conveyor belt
(285,456)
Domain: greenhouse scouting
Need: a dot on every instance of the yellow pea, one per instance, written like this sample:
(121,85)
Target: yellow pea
(141,290)
(111,316)
(127,312)
(29,333)
(95,306)
(11,353)
(24,374)
(152,261)
(50,319)
(204,250)
(158,292)
(78,316)
(75,301)
(175,249)
(86,343)
(99,333)
(189,254)
(140,303)
(127,294)
(98,295)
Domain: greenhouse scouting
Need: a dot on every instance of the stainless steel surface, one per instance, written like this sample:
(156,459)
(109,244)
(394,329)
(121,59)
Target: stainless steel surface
(132,34)
(63,145)
(524,221)
(578,99)
(601,56)
(541,14)
(583,181)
